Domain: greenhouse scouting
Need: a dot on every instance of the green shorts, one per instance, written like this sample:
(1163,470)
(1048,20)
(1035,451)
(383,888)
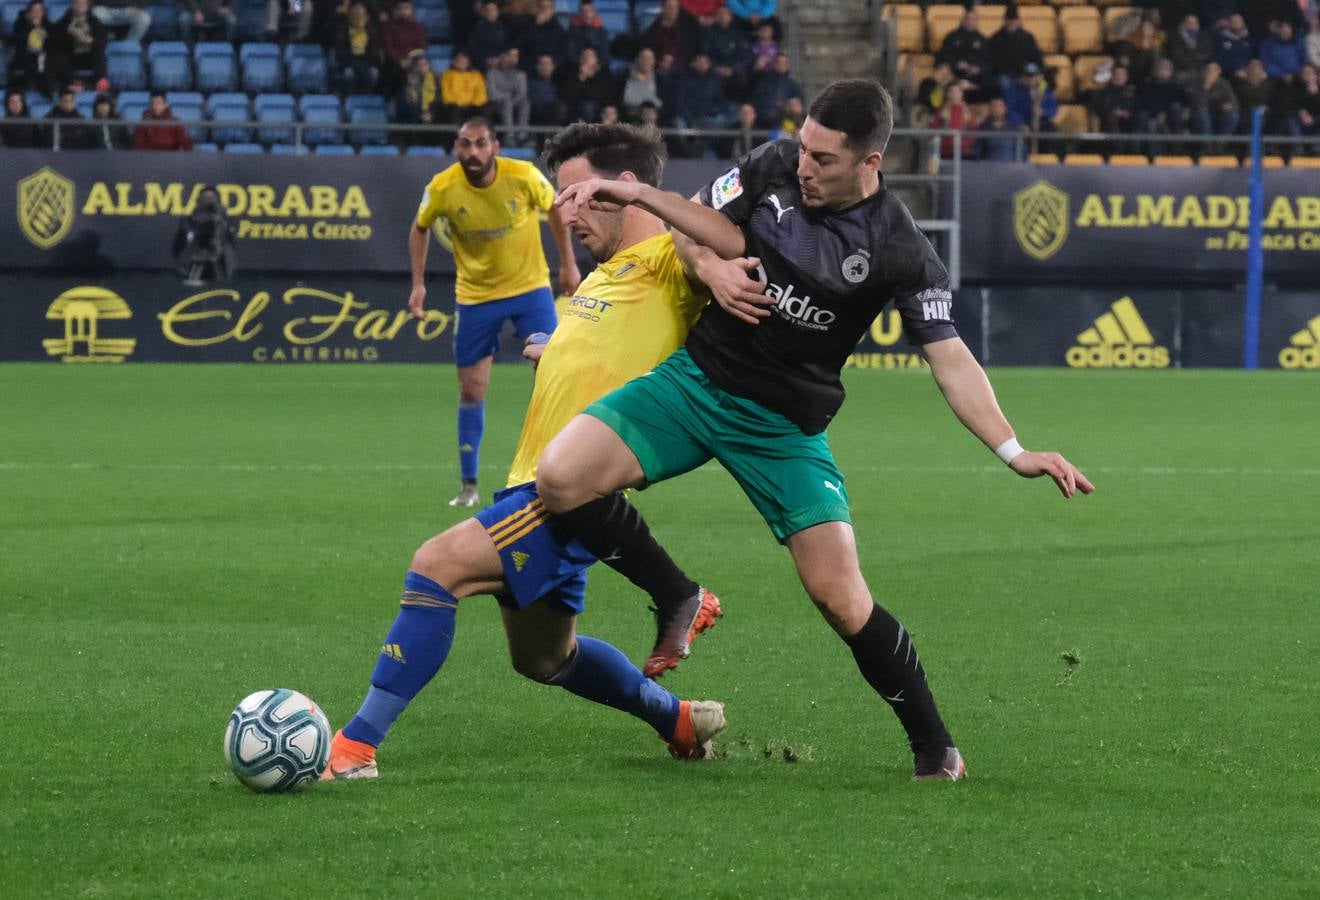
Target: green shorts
(674,419)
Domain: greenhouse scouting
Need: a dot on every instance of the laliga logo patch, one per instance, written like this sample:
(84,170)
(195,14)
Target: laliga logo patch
(726,188)
(857,267)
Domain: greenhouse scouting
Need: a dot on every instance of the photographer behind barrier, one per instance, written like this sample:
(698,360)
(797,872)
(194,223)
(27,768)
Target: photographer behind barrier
(204,243)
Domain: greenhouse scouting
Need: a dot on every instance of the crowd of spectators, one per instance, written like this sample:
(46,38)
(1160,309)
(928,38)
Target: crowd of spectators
(1176,67)
(700,64)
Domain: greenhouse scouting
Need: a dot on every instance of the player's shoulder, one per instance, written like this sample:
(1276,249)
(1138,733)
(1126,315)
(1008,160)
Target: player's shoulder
(446,178)
(771,163)
(520,169)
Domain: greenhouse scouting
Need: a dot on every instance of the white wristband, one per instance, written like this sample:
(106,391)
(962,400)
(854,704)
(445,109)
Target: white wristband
(1009,450)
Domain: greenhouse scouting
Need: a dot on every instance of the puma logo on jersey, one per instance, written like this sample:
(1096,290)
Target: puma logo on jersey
(834,487)
(779,210)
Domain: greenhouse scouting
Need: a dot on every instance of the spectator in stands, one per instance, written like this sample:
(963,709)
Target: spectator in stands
(543,94)
(462,16)
(1313,41)
(299,13)
(1013,48)
(1030,101)
(1233,46)
(357,51)
(1189,49)
(640,85)
(587,31)
(930,94)
(147,136)
(673,33)
(772,90)
(463,90)
(727,46)
(587,90)
(544,37)
(1283,52)
(28,50)
(105,133)
(133,13)
(506,84)
(700,103)
(957,115)
(648,115)
(489,38)
(1213,104)
(76,48)
(765,48)
(746,141)
(1306,102)
(752,14)
(609,114)
(1163,102)
(1256,88)
(999,135)
(1138,53)
(417,98)
(794,115)
(401,35)
(65,111)
(1115,105)
(11,133)
(212,18)
(966,51)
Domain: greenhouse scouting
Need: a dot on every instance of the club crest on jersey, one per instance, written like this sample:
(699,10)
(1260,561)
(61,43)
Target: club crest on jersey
(857,267)
(726,188)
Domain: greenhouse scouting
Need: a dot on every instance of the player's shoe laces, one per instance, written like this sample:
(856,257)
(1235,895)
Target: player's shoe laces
(945,766)
(676,628)
(698,722)
(466,496)
(350,760)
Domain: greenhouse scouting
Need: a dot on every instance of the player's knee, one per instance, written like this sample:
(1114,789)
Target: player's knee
(539,667)
(842,599)
(558,485)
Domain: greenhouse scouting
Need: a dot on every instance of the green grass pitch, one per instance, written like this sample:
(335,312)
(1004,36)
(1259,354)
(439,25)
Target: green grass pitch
(1131,676)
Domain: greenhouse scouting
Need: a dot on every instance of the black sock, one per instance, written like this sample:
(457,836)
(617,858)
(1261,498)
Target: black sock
(888,661)
(616,533)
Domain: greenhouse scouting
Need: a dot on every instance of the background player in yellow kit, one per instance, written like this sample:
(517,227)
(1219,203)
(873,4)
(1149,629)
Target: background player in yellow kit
(492,206)
(626,317)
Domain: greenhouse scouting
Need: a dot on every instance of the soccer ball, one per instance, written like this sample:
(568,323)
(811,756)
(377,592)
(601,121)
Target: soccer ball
(277,741)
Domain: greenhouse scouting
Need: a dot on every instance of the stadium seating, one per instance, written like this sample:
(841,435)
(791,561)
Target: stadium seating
(367,116)
(911,25)
(942,18)
(164,22)
(1220,162)
(321,108)
(1305,162)
(306,68)
(425,151)
(1128,159)
(273,108)
(1043,159)
(334,150)
(289,149)
(263,74)
(1044,27)
(9,14)
(132,104)
(380,150)
(1084,159)
(1081,29)
(243,148)
(124,67)
(206,147)
(1172,160)
(170,65)
(232,107)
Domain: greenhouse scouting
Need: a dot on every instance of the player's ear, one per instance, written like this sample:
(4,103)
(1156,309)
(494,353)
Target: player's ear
(627,176)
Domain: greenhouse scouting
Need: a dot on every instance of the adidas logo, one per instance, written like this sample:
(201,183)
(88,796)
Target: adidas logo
(1304,349)
(519,560)
(1119,339)
(394,652)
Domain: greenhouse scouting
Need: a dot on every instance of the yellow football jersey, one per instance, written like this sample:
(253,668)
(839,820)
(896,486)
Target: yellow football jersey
(496,230)
(627,316)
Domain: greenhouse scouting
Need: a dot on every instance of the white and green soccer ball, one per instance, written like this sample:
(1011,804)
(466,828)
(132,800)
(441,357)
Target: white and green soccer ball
(277,741)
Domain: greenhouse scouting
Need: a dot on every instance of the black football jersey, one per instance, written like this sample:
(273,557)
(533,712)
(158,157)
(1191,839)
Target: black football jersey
(830,273)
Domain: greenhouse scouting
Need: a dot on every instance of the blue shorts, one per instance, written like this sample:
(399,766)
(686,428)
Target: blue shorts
(477,325)
(540,563)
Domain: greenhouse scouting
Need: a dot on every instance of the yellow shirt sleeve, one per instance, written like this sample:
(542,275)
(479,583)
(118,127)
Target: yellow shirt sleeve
(540,192)
(429,209)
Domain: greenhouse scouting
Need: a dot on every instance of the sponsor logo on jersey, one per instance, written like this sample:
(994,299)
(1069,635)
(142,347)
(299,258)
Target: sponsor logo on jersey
(1303,350)
(1040,219)
(1119,339)
(726,188)
(588,308)
(799,310)
(83,310)
(624,270)
(779,210)
(857,267)
(936,304)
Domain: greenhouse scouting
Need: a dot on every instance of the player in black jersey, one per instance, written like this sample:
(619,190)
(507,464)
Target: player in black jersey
(758,380)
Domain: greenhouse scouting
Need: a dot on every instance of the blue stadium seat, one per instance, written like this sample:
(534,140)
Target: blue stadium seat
(252,49)
(356,102)
(83,103)
(425,151)
(227,97)
(322,135)
(206,147)
(276,114)
(243,148)
(367,116)
(216,73)
(171,69)
(306,72)
(124,66)
(263,74)
(166,48)
(4,66)
(334,150)
(231,108)
(615,21)
(440,56)
(138,98)
(518,152)
(436,23)
(251,23)
(190,114)
(183,98)
(289,150)
(56,9)
(38,108)
(382,150)
(131,110)
(269,101)
(312,101)
(9,14)
(213,48)
(164,22)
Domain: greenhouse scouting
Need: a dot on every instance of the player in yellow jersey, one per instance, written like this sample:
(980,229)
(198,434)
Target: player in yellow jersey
(625,318)
(492,206)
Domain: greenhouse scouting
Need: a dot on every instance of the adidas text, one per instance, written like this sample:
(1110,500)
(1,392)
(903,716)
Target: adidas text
(1118,356)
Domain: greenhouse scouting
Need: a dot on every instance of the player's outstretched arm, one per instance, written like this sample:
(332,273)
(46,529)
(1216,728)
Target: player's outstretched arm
(569,276)
(417,247)
(699,222)
(968,392)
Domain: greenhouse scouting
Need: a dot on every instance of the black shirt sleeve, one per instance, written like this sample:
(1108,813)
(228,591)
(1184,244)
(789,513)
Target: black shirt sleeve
(737,191)
(924,301)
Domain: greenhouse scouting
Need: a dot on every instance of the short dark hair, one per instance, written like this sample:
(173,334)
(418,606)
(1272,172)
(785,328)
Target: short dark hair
(859,107)
(610,150)
(479,122)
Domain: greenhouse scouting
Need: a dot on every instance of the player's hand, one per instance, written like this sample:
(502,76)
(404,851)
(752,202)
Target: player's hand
(417,302)
(736,285)
(1067,477)
(534,346)
(569,277)
(600,194)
